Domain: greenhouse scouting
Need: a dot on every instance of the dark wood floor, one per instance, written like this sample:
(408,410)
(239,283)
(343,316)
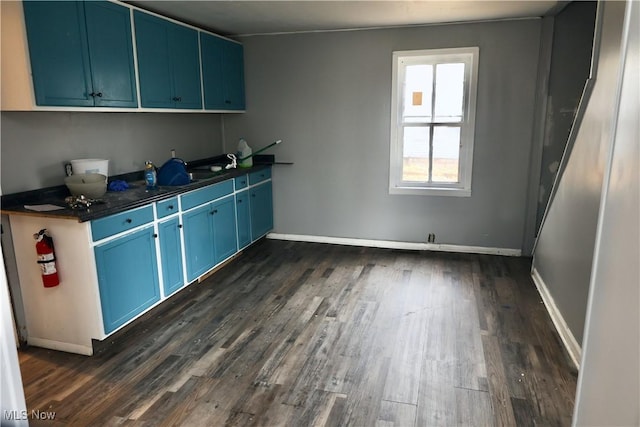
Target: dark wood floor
(303,334)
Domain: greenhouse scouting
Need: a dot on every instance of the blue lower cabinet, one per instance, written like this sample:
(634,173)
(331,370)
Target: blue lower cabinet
(261,210)
(171,255)
(209,235)
(243,219)
(212,232)
(198,241)
(127,277)
(224,228)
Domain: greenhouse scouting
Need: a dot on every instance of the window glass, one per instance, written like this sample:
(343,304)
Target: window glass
(446,154)
(433,121)
(449,92)
(418,90)
(415,154)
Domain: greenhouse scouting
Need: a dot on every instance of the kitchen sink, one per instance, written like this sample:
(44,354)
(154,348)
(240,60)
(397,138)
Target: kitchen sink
(195,176)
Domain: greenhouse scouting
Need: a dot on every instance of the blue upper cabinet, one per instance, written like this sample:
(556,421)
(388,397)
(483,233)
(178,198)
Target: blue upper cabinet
(233,71)
(168,63)
(59,53)
(111,54)
(154,68)
(212,79)
(185,55)
(81,53)
(222,73)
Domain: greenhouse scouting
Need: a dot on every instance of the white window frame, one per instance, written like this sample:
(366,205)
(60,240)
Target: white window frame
(467,55)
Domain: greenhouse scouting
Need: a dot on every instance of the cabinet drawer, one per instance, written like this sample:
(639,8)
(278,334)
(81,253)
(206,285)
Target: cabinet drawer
(167,207)
(114,224)
(261,175)
(241,182)
(206,194)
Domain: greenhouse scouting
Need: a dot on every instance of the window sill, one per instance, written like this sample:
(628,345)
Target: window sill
(430,191)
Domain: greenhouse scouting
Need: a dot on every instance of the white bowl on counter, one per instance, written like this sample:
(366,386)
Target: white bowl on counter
(91,185)
(80,166)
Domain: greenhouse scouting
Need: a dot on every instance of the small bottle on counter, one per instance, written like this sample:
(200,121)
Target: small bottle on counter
(150,176)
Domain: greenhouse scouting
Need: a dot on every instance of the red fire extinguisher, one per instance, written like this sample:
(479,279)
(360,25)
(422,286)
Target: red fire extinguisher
(46,259)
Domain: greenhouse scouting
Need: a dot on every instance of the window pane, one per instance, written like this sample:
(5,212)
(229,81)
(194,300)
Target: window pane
(418,88)
(415,154)
(449,92)
(446,154)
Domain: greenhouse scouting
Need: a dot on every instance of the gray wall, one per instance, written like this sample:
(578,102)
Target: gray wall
(327,95)
(570,67)
(608,386)
(564,251)
(35,145)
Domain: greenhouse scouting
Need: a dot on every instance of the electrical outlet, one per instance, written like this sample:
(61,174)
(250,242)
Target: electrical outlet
(431,238)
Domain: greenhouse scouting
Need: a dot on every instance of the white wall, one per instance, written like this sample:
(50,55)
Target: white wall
(609,382)
(12,403)
(35,145)
(327,95)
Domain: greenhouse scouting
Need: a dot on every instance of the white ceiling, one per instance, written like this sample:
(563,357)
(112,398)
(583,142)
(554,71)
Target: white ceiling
(239,17)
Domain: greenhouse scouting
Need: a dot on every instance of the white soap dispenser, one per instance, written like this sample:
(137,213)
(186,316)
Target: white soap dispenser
(244,154)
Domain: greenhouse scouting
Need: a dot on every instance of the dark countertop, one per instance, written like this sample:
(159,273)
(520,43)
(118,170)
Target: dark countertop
(113,202)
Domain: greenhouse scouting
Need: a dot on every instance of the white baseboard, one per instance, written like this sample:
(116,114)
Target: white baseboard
(390,244)
(569,341)
(62,346)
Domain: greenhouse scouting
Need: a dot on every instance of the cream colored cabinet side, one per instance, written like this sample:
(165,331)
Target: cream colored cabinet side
(17,89)
(68,316)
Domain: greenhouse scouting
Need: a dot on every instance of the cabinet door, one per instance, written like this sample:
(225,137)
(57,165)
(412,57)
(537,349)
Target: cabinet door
(233,71)
(154,69)
(224,228)
(243,219)
(171,255)
(198,241)
(168,63)
(212,79)
(127,277)
(222,73)
(261,210)
(59,53)
(185,58)
(111,54)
